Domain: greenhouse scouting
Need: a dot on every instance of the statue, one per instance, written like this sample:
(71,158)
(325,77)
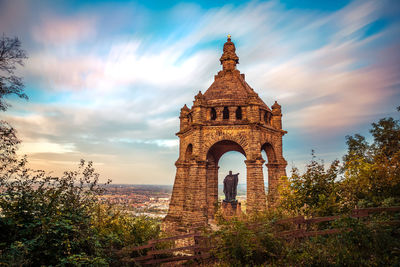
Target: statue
(230,186)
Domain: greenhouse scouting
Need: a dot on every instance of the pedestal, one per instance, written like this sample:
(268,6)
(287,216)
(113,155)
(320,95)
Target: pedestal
(231,209)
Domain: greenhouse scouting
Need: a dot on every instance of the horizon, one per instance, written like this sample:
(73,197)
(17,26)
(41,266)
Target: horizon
(106,80)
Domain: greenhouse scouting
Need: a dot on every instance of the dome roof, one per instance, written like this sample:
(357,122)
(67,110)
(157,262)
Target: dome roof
(229,86)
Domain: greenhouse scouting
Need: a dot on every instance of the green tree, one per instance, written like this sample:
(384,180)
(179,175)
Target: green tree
(46,220)
(314,193)
(246,242)
(8,145)
(372,171)
(55,221)
(11,55)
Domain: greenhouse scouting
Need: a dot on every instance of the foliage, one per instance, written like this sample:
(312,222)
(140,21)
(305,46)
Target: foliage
(313,193)
(48,220)
(8,145)
(372,241)
(55,221)
(245,242)
(372,171)
(369,176)
(11,55)
(374,244)
(49,217)
(118,231)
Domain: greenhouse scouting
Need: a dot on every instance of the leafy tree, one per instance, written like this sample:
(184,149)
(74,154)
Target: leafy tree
(118,232)
(373,244)
(386,135)
(246,242)
(313,193)
(8,145)
(372,171)
(48,217)
(55,221)
(11,55)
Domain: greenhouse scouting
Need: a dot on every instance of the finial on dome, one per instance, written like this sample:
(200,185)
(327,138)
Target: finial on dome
(229,55)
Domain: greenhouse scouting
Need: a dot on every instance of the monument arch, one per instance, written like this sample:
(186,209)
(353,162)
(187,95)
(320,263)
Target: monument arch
(229,116)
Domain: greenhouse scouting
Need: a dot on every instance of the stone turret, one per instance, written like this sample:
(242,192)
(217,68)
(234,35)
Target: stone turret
(276,116)
(184,117)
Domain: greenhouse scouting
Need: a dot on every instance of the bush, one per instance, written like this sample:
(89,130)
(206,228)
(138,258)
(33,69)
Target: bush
(374,244)
(49,220)
(246,243)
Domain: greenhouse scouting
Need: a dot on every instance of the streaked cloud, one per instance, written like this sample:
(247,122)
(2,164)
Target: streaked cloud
(113,95)
(64,31)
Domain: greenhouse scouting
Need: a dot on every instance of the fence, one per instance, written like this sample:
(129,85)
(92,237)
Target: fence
(303,224)
(198,250)
(200,247)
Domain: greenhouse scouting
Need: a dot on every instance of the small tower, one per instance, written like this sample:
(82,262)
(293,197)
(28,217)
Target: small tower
(229,116)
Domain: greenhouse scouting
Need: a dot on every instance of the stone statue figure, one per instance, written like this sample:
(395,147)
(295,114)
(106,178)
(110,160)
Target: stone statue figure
(230,187)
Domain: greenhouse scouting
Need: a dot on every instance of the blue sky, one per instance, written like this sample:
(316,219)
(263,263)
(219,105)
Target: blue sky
(106,80)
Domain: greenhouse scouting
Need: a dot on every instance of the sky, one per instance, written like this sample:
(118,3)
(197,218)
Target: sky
(106,79)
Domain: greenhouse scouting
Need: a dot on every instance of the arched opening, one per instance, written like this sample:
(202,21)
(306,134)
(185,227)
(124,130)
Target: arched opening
(268,154)
(239,113)
(267,117)
(213,114)
(189,151)
(225,113)
(222,157)
(232,161)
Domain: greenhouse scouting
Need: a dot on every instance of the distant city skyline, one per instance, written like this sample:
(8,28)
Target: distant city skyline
(333,66)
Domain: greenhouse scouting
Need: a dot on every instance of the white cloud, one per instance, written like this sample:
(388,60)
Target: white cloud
(45,147)
(126,92)
(64,31)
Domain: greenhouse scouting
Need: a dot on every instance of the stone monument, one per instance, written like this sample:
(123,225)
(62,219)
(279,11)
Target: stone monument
(230,206)
(229,116)
(230,187)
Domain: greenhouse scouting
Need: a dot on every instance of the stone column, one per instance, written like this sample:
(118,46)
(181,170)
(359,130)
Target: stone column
(195,208)
(177,202)
(220,114)
(256,199)
(212,189)
(232,113)
(275,172)
(178,191)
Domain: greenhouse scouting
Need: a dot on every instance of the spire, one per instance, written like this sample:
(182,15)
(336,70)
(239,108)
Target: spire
(276,109)
(229,59)
(276,105)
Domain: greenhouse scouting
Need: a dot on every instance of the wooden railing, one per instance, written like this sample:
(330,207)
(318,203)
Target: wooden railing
(303,224)
(199,248)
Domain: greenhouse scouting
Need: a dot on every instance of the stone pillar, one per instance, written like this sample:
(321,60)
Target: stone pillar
(256,199)
(253,114)
(177,202)
(196,198)
(178,191)
(244,113)
(232,113)
(275,172)
(220,114)
(212,189)
(197,114)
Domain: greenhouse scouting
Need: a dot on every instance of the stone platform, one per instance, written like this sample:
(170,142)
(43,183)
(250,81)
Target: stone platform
(231,209)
